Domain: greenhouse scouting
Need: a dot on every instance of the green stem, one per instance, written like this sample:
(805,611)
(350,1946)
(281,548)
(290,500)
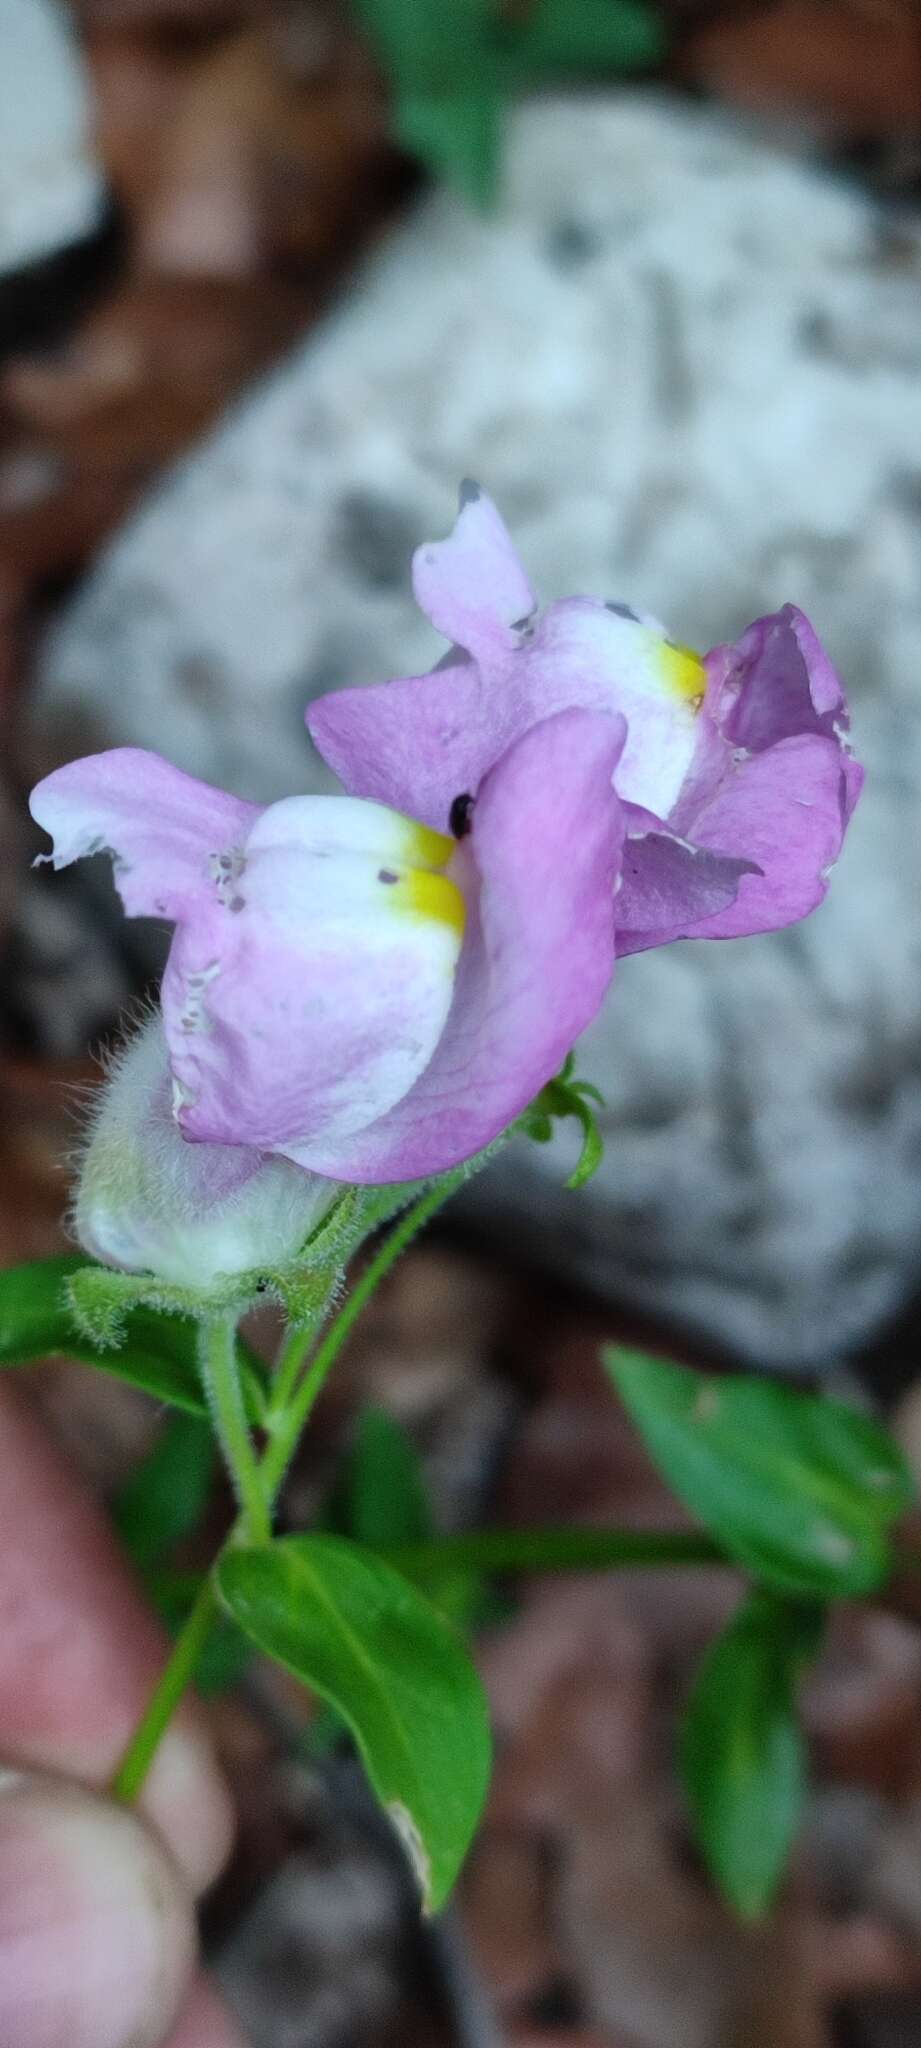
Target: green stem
(290,1363)
(178,1674)
(555,1550)
(220,1373)
(258,1482)
(290,1425)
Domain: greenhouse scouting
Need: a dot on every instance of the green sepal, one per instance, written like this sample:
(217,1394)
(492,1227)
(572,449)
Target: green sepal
(101,1299)
(561,1098)
(103,1306)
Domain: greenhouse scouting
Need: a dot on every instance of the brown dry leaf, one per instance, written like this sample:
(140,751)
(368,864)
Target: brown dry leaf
(857,71)
(507,1913)
(259,168)
(862,1704)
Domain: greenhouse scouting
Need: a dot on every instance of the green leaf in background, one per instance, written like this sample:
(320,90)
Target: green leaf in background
(381,1500)
(360,1635)
(800,1489)
(557,37)
(158,1353)
(442,60)
(160,1505)
(742,1752)
(166,1495)
(451,62)
(384,1498)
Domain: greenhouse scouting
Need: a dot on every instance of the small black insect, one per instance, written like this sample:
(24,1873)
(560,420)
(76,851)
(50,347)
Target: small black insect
(460,816)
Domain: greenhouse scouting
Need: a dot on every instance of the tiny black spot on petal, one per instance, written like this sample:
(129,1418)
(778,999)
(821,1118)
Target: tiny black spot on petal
(621,611)
(460,815)
(387,875)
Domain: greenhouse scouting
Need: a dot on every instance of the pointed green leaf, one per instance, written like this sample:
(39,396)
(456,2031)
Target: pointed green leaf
(158,1352)
(800,1489)
(742,1752)
(357,1633)
(153,1350)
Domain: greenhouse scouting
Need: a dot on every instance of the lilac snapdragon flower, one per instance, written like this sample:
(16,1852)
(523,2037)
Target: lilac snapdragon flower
(736,779)
(374,986)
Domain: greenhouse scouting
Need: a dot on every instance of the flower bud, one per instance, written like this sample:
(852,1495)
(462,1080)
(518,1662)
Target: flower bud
(193,1214)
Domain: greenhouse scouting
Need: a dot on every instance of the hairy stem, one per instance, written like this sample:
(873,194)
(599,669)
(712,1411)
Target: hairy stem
(291,1423)
(220,1373)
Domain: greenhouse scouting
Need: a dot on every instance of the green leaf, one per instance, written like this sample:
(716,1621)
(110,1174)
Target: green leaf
(443,63)
(742,1751)
(359,1635)
(584,36)
(384,1497)
(158,1352)
(166,1495)
(458,134)
(800,1489)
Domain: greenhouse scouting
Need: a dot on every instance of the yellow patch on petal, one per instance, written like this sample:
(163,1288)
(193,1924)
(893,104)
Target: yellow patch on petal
(415,885)
(420,888)
(423,894)
(426,848)
(684,673)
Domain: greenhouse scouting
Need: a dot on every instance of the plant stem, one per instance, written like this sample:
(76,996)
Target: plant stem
(220,1373)
(541,1550)
(290,1425)
(178,1674)
(258,1481)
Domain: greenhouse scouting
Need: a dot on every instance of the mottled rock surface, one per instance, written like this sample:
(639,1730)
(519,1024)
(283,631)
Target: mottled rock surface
(51,190)
(686,362)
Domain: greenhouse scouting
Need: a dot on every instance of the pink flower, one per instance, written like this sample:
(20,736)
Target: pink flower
(735,776)
(377,999)
(370,998)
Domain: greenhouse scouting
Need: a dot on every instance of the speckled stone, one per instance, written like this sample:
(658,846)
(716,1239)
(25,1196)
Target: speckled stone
(685,361)
(51,188)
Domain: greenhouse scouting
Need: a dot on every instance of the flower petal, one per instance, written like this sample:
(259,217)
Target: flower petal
(667,885)
(606,658)
(415,744)
(774,682)
(305,1004)
(161,826)
(420,742)
(472,585)
(786,809)
(539,952)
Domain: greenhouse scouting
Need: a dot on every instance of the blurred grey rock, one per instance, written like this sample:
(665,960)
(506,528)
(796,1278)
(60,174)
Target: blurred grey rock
(51,187)
(686,364)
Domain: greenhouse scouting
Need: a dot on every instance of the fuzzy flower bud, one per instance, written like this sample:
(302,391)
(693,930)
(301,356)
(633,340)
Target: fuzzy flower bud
(193,1215)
